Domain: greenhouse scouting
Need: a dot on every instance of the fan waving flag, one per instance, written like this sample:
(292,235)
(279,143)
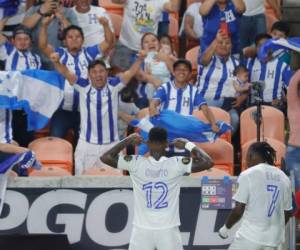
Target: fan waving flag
(21,162)
(276,47)
(179,126)
(38,92)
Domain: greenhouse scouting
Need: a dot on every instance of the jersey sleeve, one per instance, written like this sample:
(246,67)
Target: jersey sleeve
(184,165)
(160,94)
(81,85)
(128,162)
(116,83)
(199,100)
(242,194)
(287,75)
(5,50)
(93,52)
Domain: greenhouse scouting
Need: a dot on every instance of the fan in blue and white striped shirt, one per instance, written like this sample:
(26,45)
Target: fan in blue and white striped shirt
(98,109)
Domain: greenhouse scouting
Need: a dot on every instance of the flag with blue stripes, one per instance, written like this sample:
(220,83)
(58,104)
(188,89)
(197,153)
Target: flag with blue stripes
(179,126)
(20,162)
(275,47)
(38,92)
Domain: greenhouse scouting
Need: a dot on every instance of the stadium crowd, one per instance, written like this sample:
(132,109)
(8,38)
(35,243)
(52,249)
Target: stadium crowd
(124,63)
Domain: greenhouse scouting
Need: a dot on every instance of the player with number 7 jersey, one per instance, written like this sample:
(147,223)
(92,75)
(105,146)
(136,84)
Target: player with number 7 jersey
(156,188)
(263,199)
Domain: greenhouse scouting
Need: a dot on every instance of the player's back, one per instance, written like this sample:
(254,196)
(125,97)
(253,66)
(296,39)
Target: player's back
(269,195)
(156,186)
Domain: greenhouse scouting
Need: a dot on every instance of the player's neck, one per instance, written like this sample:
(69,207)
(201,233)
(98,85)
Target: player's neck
(157,154)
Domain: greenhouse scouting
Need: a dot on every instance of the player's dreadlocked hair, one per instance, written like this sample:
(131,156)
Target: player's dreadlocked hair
(265,151)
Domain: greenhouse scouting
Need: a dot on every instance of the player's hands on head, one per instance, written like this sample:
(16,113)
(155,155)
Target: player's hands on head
(179,143)
(135,139)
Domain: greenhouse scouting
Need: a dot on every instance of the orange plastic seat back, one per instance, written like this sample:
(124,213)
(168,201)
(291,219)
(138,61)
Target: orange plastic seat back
(213,172)
(53,150)
(221,152)
(103,171)
(220,115)
(48,171)
(279,147)
(272,124)
(192,56)
(117,23)
(111,7)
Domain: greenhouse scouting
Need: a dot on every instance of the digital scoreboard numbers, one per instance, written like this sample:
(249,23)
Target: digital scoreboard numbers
(217,193)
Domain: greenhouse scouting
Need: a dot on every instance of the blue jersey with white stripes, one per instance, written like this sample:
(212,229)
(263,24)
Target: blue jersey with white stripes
(99,110)
(276,74)
(18,60)
(180,100)
(5,126)
(77,64)
(215,80)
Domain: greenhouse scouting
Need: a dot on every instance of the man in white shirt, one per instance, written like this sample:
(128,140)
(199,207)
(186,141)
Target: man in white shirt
(98,104)
(253,21)
(87,18)
(156,188)
(139,18)
(263,199)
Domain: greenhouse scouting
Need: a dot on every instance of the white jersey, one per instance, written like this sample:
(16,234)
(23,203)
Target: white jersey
(139,18)
(267,193)
(99,111)
(193,10)
(156,189)
(215,79)
(5,126)
(254,7)
(93,31)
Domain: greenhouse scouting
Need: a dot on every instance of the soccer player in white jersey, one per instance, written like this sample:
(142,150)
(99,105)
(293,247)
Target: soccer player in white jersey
(263,199)
(156,188)
(77,58)
(98,103)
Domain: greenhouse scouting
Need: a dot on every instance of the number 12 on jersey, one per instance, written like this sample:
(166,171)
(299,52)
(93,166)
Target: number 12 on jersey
(160,202)
(275,193)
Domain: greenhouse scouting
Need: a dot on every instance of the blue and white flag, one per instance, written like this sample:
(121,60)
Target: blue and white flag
(179,126)
(276,47)
(22,162)
(38,92)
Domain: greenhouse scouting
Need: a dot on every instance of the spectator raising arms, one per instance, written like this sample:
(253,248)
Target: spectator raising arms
(139,18)
(221,15)
(98,109)
(76,58)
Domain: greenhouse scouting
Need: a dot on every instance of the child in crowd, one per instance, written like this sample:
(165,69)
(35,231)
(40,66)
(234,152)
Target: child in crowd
(241,83)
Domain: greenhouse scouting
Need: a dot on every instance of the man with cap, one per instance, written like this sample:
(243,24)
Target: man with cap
(17,55)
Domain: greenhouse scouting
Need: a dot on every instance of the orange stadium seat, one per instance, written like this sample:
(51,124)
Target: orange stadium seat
(272,124)
(173,32)
(220,115)
(192,56)
(221,152)
(117,23)
(279,147)
(48,171)
(111,7)
(53,150)
(103,171)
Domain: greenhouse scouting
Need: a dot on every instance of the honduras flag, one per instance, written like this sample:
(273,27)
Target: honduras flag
(276,47)
(38,92)
(179,126)
(20,162)
(8,8)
